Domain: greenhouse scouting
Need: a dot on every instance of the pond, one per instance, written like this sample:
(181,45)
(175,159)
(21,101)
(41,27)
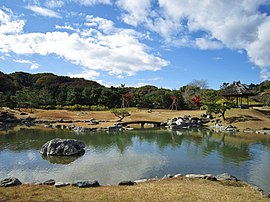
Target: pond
(112,157)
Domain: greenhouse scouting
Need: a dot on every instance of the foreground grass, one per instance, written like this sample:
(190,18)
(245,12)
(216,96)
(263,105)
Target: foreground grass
(180,189)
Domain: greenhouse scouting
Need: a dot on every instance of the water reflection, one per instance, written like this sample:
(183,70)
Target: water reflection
(60,159)
(112,157)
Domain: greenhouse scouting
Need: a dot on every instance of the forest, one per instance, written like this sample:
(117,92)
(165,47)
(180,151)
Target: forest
(49,91)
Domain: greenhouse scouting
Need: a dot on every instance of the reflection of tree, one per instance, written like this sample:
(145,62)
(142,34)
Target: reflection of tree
(229,150)
(196,141)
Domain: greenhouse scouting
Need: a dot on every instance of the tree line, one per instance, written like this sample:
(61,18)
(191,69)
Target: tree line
(49,91)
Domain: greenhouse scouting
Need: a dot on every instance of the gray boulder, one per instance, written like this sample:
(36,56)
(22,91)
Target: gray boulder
(126,183)
(226,176)
(11,181)
(49,182)
(61,184)
(62,147)
(85,184)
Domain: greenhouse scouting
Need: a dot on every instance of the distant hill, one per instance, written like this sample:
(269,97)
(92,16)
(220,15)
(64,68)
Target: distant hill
(18,80)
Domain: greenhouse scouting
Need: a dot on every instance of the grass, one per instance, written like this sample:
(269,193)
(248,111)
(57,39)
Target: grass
(241,118)
(179,189)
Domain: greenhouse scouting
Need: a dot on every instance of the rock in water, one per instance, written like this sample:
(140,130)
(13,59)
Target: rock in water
(62,147)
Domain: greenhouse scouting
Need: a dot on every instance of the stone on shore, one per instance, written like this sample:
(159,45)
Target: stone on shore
(11,181)
(226,176)
(49,182)
(61,184)
(62,147)
(126,183)
(85,184)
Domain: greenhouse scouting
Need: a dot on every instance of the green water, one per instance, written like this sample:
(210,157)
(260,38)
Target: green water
(130,155)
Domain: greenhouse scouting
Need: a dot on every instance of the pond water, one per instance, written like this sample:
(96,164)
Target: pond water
(112,157)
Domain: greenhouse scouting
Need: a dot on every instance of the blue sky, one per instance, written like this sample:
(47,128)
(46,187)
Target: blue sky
(166,43)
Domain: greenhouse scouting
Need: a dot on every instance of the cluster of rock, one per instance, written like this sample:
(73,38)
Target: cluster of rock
(220,128)
(8,119)
(81,129)
(186,122)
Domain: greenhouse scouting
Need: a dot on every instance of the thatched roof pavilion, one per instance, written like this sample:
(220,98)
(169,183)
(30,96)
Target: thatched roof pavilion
(238,92)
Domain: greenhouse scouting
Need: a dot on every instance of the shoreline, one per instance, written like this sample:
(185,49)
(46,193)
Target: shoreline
(194,182)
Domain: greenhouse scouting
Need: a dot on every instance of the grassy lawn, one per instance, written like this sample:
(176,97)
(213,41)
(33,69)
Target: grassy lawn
(241,118)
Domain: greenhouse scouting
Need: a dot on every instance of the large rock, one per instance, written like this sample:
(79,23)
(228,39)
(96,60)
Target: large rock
(62,147)
(11,181)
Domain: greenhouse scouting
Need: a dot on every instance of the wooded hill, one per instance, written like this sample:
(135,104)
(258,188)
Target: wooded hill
(49,91)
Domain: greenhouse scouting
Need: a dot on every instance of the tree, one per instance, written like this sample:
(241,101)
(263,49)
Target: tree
(72,96)
(224,85)
(202,84)
(20,99)
(25,98)
(188,92)
(2,99)
(120,113)
(196,101)
(44,97)
(219,108)
(210,96)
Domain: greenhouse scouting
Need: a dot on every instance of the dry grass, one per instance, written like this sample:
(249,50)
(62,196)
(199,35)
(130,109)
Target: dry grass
(181,189)
(247,119)
(241,118)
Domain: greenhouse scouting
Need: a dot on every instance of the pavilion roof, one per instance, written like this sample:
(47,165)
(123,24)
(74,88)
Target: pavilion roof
(237,90)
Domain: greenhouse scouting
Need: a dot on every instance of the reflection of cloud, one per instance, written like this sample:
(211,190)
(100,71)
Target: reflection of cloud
(108,168)
(259,171)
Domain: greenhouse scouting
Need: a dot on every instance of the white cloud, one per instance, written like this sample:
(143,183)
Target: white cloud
(265,74)
(141,84)
(92,2)
(206,44)
(135,12)
(259,49)
(54,4)
(67,27)
(99,47)
(88,74)
(217,58)
(33,65)
(44,11)
(9,24)
(102,24)
(238,25)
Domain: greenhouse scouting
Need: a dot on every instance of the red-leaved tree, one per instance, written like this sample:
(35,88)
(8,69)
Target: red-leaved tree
(196,101)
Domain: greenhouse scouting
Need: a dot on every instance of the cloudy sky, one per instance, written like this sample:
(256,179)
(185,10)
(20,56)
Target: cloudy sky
(166,43)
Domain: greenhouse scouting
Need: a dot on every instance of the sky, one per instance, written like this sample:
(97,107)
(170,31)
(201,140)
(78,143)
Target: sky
(165,43)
